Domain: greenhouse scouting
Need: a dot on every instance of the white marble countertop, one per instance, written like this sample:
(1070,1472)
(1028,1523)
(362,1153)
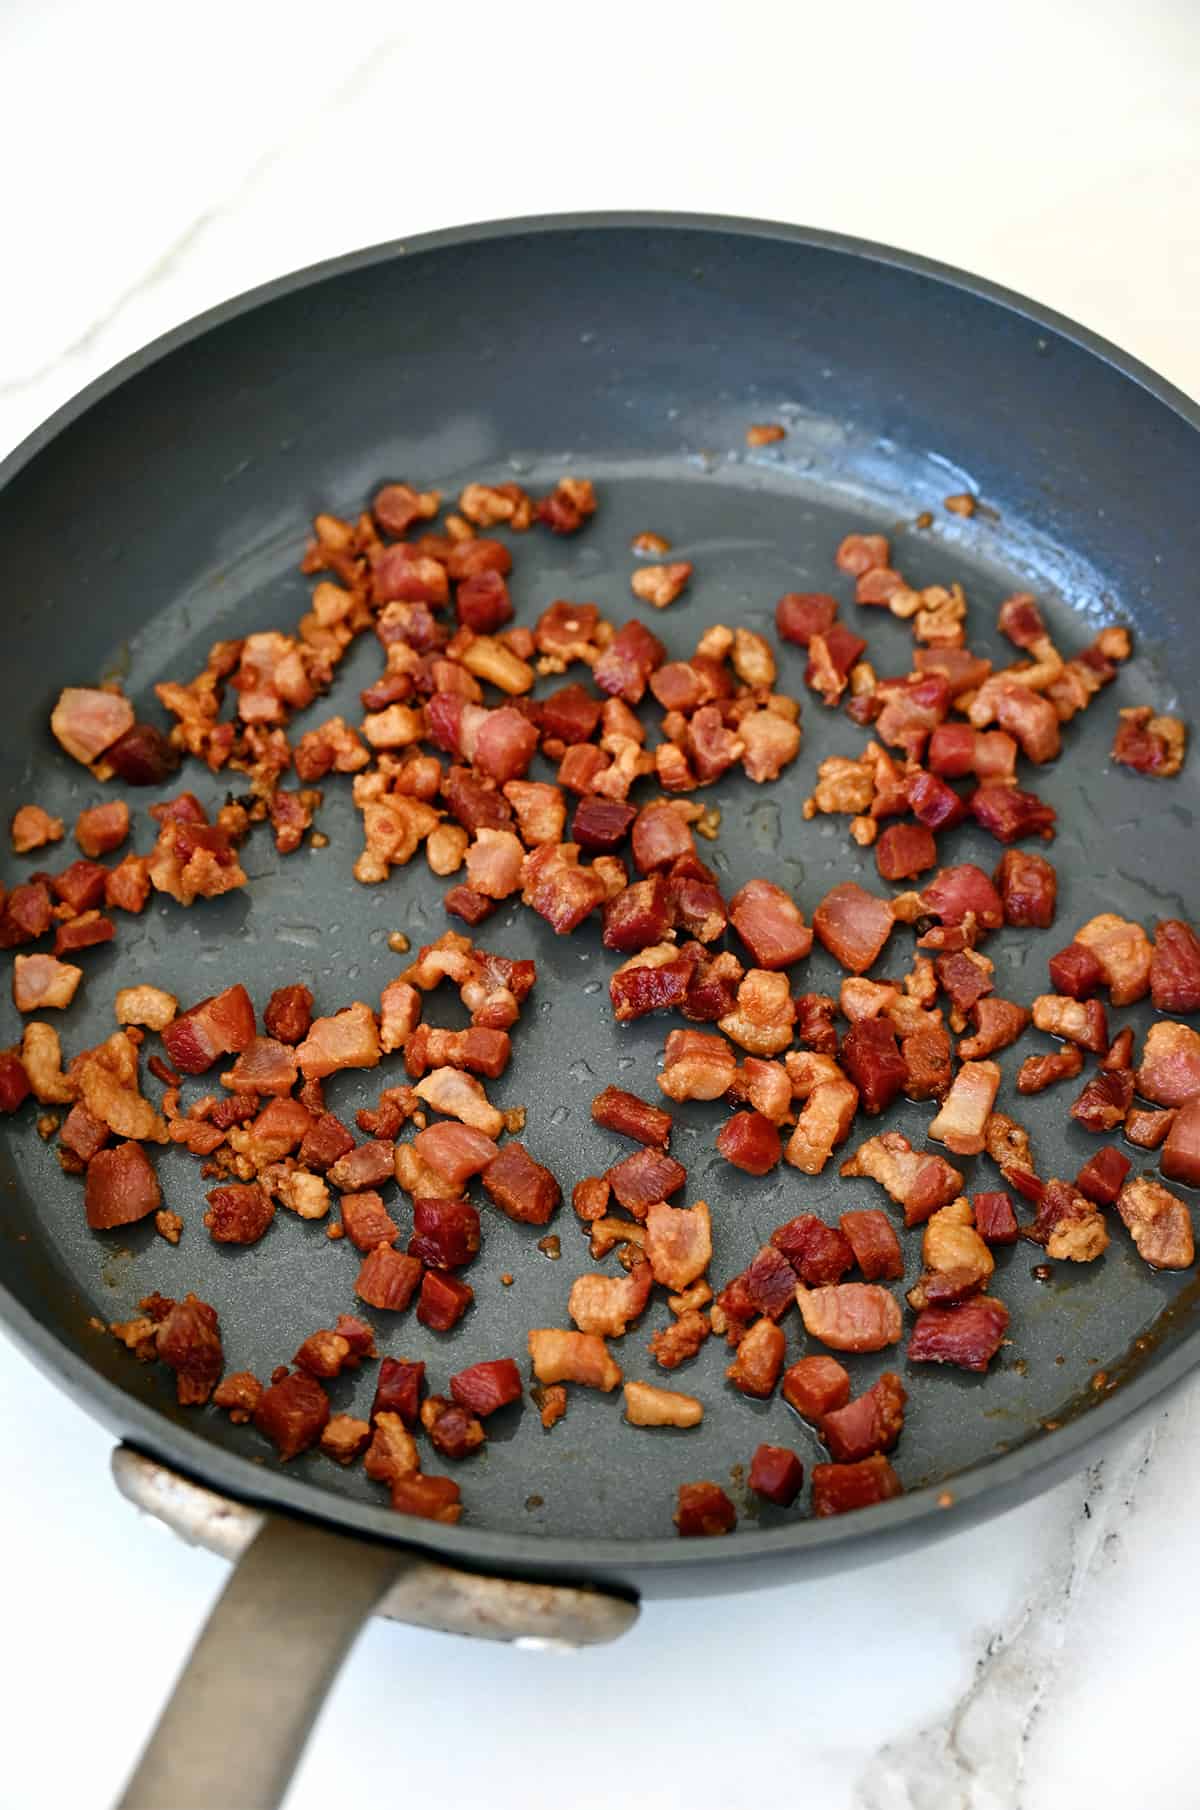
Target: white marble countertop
(1034,1664)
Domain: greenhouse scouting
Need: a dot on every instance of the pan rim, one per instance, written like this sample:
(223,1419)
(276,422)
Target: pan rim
(988,1487)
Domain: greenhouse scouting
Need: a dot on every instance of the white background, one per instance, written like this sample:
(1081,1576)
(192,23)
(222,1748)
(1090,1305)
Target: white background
(157,159)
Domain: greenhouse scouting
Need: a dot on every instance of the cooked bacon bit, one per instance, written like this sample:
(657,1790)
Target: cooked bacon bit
(307,1196)
(854,925)
(956,1257)
(1150,744)
(240,1393)
(392,1454)
(661,585)
(572,1357)
(1009,814)
(675,1344)
(479,1050)
(1105,1100)
(366,1220)
(1039,1072)
(761,1021)
(142,756)
(1008,1146)
(568,506)
(880,585)
(397,506)
(1124,953)
(639,917)
(815,1028)
(606,1304)
(127,886)
(107,1080)
(149,1006)
(1102,1176)
(188,1341)
(998,1022)
(905,850)
(660,836)
(239,1214)
(451,1428)
(766,1086)
(121,1187)
(264,1067)
(916,1180)
(325,1140)
(38,1067)
(487,504)
(460,1096)
(760,1354)
(770,924)
(222,1025)
(388,1279)
(521,1187)
(816,1386)
(1028,886)
(32,827)
(995,1221)
(348,1039)
(958,894)
(1175,967)
(633,1117)
(964,977)
(838,1489)
(626,664)
(873,1062)
(698,1065)
(102,828)
(873,1242)
(1148,1129)
(1170,1070)
(832,654)
(646,1176)
(823,1124)
(1083,1022)
(1180,1160)
(850,1316)
(776,1473)
(345,1438)
(193,861)
(750,1142)
(843,787)
(819,1254)
(326,1353)
(398,1394)
(288,1014)
(1075,971)
(42,981)
(293,1413)
(86,721)
(965,1110)
(365,1166)
(704,1510)
(802,614)
(454,1152)
(772,742)
(83,932)
(558,889)
(445,1233)
(600,825)
(872,1423)
(968,1335)
(678,1242)
(859,553)
(1068,1224)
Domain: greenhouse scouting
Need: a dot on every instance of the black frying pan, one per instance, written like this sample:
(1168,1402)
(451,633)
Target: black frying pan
(168,505)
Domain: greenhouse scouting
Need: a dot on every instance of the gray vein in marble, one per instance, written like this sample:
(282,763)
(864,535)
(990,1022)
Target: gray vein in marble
(974,1757)
(359,78)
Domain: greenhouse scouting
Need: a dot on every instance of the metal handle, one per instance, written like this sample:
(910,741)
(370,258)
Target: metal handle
(235,1727)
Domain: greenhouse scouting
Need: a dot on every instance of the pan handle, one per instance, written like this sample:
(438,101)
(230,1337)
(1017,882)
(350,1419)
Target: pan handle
(245,1703)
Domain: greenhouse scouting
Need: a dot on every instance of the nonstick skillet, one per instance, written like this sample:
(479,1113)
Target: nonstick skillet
(168,505)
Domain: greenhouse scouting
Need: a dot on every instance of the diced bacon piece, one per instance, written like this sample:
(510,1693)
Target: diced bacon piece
(1124,953)
(905,850)
(494,864)
(1008,814)
(149,1006)
(568,506)
(1103,1175)
(188,1341)
(1150,744)
(1075,971)
(951,752)
(1170,1070)
(854,925)
(1180,1160)
(366,1220)
(364,1166)
(776,1474)
(1083,1022)
(998,1022)
(121,1187)
(639,917)
(926,1053)
(765,1086)
(678,1243)
(934,803)
(956,1258)
(1068,1224)
(1039,1072)
(293,1414)
(345,1438)
(193,861)
(762,1018)
(1175,967)
(482,603)
(1148,1129)
(388,1279)
(452,1430)
(703,1511)
(429,1498)
(916,1180)
(87,721)
(968,1335)
(768,1285)
(265,1066)
(398,1391)
(872,1060)
(818,1253)
(910,710)
(879,585)
(521,1187)
(675,1344)
(759,1360)
(238,1214)
(850,1316)
(1105,1100)
(822,1125)
(995,1221)
(127,886)
(470,906)
(393,1452)
(1028,886)
(624,1112)
(219,1026)
(28,913)
(572,713)
(606,1304)
(802,614)
(643,1178)
(455,1152)
(239,1392)
(874,1244)
(770,924)
(660,836)
(103,828)
(626,664)
(772,742)
(816,1386)
(965,1110)
(42,981)
(750,1142)
(872,1423)
(445,1233)
(712,991)
(107,1082)
(838,1489)
(81,886)
(460,1096)
(475,802)
(558,889)
(831,655)
(1020,710)
(541,811)
(600,825)
(325,1140)
(15,1085)
(958,892)
(661,585)
(696,904)
(483,1388)
(559,1356)
(964,977)
(698,1065)
(650,981)
(815,1028)
(32,827)
(859,553)
(1159,1222)
(348,1039)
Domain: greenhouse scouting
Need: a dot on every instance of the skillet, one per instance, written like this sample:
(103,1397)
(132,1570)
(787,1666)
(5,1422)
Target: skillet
(167,506)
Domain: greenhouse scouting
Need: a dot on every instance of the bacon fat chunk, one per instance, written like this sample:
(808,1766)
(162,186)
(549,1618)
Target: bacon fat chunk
(558,888)
(854,925)
(916,1180)
(188,1341)
(703,1511)
(763,1015)
(965,1111)
(850,1316)
(750,1142)
(121,1187)
(1080,1021)
(873,1241)
(967,1336)
(1175,967)
(678,1243)
(646,1405)
(1180,1160)
(1170,1068)
(617,1110)
(1124,953)
(759,1360)
(87,721)
(1159,1223)
(42,981)
(697,1065)
(348,1039)
(871,1423)
(559,1356)
(523,1189)
(606,1304)
(770,924)
(838,1489)
(222,1025)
